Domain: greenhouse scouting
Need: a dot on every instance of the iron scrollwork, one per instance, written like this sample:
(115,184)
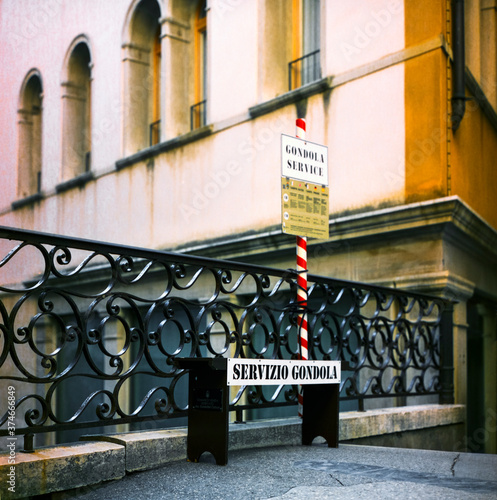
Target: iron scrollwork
(89,331)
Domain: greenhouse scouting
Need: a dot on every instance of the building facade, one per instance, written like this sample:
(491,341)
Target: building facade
(157,123)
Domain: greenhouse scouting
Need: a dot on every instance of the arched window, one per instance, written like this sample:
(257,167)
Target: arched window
(199,109)
(142,77)
(76,109)
(29,129)
(305,66)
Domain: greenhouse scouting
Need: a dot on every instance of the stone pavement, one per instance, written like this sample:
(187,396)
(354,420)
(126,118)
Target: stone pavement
(311,472)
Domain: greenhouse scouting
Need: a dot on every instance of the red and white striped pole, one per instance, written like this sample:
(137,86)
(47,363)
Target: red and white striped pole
(302,284)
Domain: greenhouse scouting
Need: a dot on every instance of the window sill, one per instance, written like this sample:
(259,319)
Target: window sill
(28,200)
(78,181)
(162,147)
(290,97)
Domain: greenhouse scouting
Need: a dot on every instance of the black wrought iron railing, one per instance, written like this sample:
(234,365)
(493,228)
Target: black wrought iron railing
(89,332)
(155,133)
(198,115)
(304,70)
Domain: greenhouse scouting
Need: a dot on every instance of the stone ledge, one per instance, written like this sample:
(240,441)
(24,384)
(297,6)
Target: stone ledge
(355,424)
(175,142)
(148,449)
(62,468)
(263,433)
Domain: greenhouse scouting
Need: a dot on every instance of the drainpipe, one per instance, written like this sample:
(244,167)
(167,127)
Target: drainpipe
(459,65)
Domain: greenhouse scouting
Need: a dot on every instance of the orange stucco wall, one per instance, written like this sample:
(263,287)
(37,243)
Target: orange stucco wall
(440,162)
(426,127)
(474,163)
(425,103)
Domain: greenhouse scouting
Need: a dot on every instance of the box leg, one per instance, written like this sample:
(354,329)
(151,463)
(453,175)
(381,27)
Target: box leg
(208,415)
(320,413)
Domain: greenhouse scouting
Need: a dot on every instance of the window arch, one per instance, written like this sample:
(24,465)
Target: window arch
(76,111)
(142,58)
(29,135)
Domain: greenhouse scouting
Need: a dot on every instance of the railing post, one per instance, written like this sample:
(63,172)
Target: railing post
(447,355)
(28,443)
(239,417)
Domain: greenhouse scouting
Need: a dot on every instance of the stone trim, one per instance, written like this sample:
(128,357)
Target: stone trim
(136,54)
(449,217)
(162,147)
(401,56)
(331,82)
(175,29)
(480,98)
(290,97)
(443,283)
(78,181)
(28,200)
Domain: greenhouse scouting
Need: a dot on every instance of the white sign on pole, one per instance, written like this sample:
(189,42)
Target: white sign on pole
(304,188)
(304,160)
(243,371)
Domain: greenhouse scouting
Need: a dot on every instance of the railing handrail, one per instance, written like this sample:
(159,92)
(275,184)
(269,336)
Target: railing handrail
(306,56)
(31,236)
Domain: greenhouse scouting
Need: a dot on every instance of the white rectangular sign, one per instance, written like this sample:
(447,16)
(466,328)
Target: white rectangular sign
(304,160)
(243,371)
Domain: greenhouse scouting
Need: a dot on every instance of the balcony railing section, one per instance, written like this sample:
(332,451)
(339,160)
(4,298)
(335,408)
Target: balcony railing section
(304,70)
(89,332)
(155,133)
(87,161)
(198,115)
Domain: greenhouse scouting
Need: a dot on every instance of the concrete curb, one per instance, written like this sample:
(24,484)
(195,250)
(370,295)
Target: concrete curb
(105,457)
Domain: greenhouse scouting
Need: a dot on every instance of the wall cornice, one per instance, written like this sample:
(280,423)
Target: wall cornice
(449,218)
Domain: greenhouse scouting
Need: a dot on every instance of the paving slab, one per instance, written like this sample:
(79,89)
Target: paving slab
(312,472)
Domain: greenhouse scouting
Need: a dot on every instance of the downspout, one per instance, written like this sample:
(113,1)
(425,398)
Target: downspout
(459,65)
